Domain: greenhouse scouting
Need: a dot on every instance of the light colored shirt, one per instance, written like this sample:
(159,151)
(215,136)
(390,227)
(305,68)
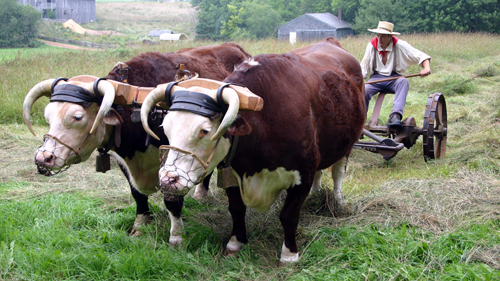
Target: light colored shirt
(399,58)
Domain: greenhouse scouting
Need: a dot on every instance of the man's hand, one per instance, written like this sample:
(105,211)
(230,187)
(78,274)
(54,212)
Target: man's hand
(427,68)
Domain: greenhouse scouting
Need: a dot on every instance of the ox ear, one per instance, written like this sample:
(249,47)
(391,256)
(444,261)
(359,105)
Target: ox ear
(240,127)
(113,118)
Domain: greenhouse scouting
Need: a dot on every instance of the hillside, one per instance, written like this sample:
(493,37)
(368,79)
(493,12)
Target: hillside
(133,20)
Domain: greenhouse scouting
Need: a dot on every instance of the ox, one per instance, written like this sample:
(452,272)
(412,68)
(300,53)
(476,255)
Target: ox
(312,115)
(152,68)
(81,122)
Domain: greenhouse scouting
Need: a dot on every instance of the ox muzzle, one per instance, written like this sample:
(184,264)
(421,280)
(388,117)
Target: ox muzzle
(181,169)
(51,159)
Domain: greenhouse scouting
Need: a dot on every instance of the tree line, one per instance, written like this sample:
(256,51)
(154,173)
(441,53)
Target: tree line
(18,25)
(256,19)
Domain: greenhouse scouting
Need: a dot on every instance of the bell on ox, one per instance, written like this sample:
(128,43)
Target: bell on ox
(102,162)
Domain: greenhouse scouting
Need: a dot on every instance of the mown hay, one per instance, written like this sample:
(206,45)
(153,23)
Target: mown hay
(436,205)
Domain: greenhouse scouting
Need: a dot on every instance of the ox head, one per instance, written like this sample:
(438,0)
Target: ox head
(75,119)
(196,121)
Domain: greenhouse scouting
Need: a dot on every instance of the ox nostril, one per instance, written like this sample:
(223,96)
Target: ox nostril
(170,178)
(49,159)
(173,179)
(44,158)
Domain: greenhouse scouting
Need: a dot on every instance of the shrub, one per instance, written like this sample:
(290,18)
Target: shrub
(19,24)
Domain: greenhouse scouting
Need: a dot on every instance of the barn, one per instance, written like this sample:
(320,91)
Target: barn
(80,11)
(158,32)
(313,27)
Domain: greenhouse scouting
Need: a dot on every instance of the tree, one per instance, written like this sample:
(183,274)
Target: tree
(456,15)
(422,15)
(349,9)
(234,24)
(255,19)
(315,6)
(212,14)
(18,25)
(261,20)
(373,11)
(288,9)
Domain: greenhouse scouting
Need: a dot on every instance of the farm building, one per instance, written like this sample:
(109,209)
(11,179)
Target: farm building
(310,27)
(78,10)
(158,32)
(173,37)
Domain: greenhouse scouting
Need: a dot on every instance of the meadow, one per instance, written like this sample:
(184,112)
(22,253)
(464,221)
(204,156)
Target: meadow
(407,219)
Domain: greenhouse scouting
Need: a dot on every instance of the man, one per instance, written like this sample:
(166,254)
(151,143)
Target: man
(387,56)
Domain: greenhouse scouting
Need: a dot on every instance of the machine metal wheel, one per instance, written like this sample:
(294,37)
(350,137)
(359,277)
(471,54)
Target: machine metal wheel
(435,127)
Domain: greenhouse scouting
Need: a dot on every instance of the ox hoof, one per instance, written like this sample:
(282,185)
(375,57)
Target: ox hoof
(337,210)
(284,261)
(228,253)
(175,240)
(200,192)
(335,205)
(288,257)
(140,221)
(135,233)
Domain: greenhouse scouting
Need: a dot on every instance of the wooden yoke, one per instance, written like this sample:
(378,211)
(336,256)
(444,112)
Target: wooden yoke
(248,100)
(126,94)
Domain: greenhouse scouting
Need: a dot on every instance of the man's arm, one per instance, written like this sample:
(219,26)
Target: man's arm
(427,68)
(366,62)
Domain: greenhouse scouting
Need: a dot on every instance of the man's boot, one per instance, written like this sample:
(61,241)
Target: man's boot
(394,120)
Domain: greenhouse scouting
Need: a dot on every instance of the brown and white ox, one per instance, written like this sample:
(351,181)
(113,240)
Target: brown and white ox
(313,114)
(80,124)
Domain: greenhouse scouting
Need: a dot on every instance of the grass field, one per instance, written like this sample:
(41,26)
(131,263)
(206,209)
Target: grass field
(13,53)
(408,219)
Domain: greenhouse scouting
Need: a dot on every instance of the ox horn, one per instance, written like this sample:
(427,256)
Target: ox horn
(41,89)
(155,96)
(231,98)
(107,90)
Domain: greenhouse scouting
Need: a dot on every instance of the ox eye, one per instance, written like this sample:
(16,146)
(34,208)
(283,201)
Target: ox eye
(78,117)
(203,132)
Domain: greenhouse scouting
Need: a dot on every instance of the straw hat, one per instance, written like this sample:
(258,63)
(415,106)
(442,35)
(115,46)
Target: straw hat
(384,27)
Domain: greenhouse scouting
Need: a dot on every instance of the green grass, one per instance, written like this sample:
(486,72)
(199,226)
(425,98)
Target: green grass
(73,236)
(13,53)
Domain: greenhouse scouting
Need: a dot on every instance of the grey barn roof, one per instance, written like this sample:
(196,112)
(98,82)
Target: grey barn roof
(157,33)
(309,27)
(330,19)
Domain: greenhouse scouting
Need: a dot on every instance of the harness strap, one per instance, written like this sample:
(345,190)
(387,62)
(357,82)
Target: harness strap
(55,83)
(232,151)
(96,90)
(170,85)
(220,101)
(211,155)
(110,143)
(76,151)
(203,163)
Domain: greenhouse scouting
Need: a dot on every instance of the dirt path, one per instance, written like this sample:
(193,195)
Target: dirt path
(67,46)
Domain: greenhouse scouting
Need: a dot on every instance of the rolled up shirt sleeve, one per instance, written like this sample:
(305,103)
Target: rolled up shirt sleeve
(367,61)
(407,55)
